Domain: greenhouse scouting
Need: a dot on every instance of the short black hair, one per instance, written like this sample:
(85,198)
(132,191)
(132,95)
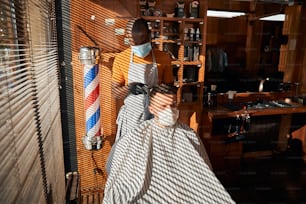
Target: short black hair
(140,25)
(163,89)
(138,31)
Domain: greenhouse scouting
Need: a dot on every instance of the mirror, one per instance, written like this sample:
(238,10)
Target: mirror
(241,52)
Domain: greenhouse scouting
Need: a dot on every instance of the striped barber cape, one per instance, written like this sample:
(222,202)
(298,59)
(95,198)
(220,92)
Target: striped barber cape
(152,164)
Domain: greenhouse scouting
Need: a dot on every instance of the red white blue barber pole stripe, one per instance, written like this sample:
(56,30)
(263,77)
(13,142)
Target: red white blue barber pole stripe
(92,100)
(92,139)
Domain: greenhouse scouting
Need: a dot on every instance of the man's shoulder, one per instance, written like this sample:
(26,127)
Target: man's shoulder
(144,125)
(148,123)
(187,130)
(124,54)
(184,127)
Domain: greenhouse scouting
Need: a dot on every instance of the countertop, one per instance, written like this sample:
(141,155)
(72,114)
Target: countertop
(223,112)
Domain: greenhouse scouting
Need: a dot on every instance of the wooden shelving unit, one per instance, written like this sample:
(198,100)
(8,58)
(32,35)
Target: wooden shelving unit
(168,34)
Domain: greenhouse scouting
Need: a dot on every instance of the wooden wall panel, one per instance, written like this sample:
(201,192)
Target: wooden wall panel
(221,31)
(293,54)
(228,5)
(291,29)
(254,36)
(222,34)
(91,163)
(244,5)
(301,52)
(212,31)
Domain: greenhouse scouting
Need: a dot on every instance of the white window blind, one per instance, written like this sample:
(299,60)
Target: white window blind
(31,155)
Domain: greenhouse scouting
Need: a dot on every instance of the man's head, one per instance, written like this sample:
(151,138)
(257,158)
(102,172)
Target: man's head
(163,104)
(138,31)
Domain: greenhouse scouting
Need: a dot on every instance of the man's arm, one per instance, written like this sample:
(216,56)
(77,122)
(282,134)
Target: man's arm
(119,91)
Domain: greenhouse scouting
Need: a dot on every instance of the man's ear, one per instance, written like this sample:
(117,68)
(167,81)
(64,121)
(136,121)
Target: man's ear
(151,109)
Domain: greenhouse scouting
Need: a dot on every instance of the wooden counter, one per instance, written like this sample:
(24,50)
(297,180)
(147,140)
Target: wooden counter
(222,112)
(223,155)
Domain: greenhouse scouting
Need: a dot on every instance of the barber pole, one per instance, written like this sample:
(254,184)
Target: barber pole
(89,56)
(92,103)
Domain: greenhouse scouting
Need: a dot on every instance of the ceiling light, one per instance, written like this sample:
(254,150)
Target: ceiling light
(278,17)
(224,14)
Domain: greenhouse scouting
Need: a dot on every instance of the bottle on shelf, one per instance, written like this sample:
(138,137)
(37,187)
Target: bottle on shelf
(143,6)
(197,35)
(191,34)
(246,121)
(190,53)
(151,3)
(194,9)
(209,100)
(196,51)
(186,57)
(186,37)
(212,96)
(238,125)
(156,24)
(179,9)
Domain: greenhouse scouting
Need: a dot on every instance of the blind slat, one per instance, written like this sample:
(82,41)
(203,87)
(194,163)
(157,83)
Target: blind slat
(15,97)
(16,69)
(15,80)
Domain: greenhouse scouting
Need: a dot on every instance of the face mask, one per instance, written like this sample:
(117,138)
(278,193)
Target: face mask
(168,116)
(142,50)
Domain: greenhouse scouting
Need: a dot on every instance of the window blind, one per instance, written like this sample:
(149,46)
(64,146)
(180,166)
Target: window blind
(31,155)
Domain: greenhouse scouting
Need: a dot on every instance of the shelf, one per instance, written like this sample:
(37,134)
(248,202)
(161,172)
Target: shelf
(171,36)
(180,84)
(174,19)
(192,42)
(197,83)
(176,62)
(158,41)
(180,62)
(195,63)
(155,30)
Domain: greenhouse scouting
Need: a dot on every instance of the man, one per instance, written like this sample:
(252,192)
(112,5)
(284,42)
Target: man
(134,70)
(162,161)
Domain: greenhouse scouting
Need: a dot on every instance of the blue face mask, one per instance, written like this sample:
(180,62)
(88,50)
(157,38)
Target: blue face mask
(142,50)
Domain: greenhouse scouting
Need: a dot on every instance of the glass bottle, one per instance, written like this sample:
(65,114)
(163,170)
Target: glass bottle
(197,35)
(213,95)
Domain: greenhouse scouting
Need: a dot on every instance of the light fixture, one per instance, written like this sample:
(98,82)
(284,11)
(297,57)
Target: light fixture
(223,14)
(286,2)
(277,17)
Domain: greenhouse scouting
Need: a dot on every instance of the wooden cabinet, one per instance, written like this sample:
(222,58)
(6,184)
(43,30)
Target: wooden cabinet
(184,40)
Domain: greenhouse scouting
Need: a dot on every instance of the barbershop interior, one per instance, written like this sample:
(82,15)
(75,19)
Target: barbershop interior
(239,71)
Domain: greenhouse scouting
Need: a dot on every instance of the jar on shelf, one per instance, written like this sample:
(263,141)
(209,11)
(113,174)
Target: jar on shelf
(194,9)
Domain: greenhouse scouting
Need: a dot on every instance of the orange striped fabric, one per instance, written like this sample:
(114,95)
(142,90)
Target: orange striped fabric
(121,66)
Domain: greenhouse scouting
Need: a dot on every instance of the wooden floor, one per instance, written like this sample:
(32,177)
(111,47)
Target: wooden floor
(279,178)
(91,198)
